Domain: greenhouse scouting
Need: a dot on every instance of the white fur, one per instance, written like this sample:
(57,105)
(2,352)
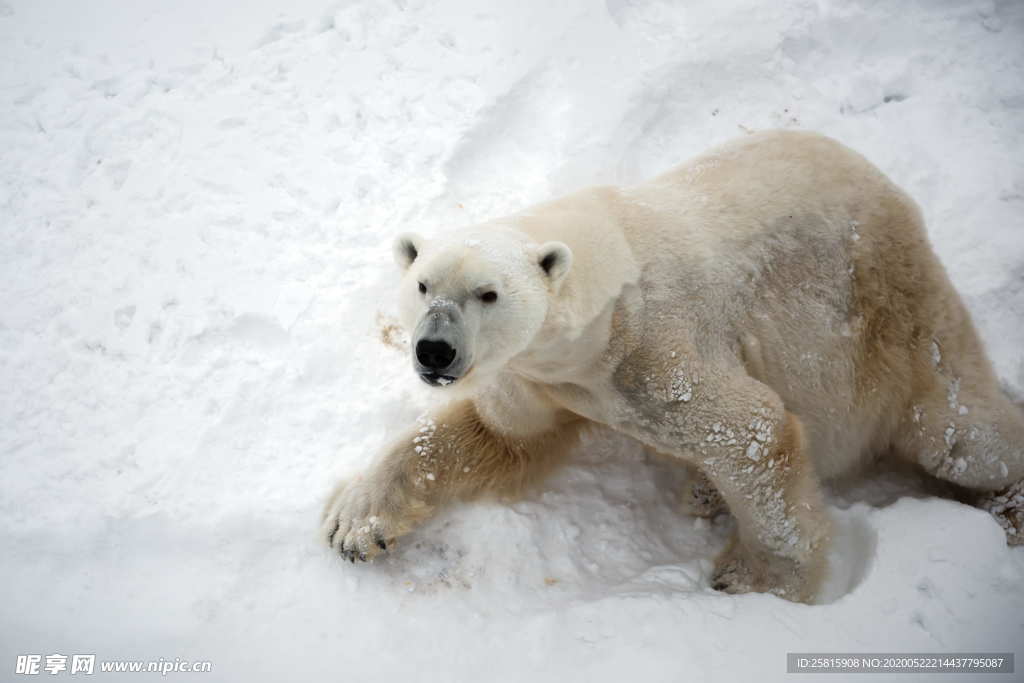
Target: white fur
(768,313)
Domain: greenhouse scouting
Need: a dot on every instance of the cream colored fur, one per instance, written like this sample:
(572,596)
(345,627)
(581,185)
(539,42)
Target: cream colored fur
(770,313)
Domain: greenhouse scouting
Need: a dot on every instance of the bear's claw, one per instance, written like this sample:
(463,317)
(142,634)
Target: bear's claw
(1008,509)
(352,555)
(731,576)
(351,527)
(362,542)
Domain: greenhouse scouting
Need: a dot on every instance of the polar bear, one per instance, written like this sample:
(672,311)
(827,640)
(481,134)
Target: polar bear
(770,313)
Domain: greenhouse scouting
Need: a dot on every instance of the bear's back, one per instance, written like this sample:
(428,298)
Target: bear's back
(792,248)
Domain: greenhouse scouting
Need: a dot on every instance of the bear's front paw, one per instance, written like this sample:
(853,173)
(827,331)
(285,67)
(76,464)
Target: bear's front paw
(358,522)
(733,573)
(1008,509)
(738,571)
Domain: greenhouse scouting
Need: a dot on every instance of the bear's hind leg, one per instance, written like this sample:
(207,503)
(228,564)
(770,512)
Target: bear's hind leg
(700,497)
(974,438)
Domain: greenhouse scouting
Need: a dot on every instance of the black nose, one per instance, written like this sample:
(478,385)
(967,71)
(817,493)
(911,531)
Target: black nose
(436,355)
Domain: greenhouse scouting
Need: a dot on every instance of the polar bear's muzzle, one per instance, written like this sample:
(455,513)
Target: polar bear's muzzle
(440,356)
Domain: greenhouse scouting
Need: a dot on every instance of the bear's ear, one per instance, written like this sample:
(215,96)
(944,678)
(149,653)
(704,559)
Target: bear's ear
(406,249)
(555,259)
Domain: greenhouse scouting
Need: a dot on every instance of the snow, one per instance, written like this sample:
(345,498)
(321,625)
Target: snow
(196,204)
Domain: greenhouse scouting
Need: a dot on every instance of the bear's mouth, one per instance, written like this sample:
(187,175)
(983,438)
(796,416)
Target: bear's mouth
(436,380)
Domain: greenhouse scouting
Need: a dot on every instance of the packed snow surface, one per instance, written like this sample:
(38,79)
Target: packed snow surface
(196,205)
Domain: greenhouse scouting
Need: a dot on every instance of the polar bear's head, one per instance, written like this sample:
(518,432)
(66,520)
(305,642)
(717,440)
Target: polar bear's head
(473,301)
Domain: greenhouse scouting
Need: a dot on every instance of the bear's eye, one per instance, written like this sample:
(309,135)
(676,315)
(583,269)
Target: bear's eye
(489,297)
(423,288)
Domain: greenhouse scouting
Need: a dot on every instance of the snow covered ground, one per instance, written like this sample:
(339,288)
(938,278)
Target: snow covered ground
(196,203)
